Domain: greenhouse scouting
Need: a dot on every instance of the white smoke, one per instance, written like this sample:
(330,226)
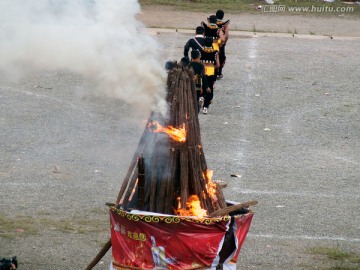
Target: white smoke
(99,39)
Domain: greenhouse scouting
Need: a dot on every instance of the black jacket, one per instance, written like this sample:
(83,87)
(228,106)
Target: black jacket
(196,43)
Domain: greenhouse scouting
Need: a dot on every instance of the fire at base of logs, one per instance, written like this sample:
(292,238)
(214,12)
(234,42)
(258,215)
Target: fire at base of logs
(168,173)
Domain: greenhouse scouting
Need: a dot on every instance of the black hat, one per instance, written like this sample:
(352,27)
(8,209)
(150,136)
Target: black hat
(213,19)
(195,54)
(185,61)
(220,14)
(169,65)
(200,30)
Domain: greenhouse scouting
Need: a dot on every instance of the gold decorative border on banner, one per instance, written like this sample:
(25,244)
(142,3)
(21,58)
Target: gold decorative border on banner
(167,219)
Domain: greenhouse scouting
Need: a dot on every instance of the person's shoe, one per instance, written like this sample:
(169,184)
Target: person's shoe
(205,110)
(201,102)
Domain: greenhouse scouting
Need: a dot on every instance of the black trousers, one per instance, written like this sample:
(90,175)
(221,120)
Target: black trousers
(222,59)
(209,96)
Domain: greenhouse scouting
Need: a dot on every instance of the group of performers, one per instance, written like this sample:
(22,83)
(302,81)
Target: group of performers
(207,56)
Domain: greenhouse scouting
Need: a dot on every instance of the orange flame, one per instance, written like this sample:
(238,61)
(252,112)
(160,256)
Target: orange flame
(193,205)
(193,208)
(210,186)
(177,134)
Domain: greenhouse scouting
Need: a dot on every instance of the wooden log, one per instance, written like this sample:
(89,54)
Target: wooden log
(163,184)
(184,178)
(130,191)
(220,197)
(171,182)
(232,208)
(161,187)
(152,185)
(174,184)
(220,183)
(141,183)
(126,182)
(207,199)
(133,163)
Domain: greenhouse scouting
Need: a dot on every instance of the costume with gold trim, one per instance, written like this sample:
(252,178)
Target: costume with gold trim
(222,24)
(195,43)
(208,59)
(212,30)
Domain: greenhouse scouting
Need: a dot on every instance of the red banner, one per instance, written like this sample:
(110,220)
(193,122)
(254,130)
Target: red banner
(150,241)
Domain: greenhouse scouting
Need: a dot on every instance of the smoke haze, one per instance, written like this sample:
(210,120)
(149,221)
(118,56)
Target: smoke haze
(98,39)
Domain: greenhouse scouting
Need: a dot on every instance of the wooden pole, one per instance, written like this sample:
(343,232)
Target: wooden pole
(141,183)
(138,151)
(99,256)
(232,208)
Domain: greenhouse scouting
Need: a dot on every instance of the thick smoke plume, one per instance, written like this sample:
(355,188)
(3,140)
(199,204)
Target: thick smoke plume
(99,39)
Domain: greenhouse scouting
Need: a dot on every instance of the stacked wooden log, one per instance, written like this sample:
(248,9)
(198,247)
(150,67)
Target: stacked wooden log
(164,171)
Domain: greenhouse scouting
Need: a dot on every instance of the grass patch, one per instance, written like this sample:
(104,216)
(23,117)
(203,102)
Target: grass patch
(344,268)
(319,7)
(336,254)
(341,260)
(13,227)
(25,225)
(76,225)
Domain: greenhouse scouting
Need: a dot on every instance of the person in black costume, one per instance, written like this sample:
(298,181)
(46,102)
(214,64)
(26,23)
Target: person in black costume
(195,43)
(224,26)
(210,60)
(199,77)
(213,31)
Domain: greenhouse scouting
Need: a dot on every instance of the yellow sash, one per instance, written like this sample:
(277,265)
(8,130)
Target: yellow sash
(216,45)
(209,69)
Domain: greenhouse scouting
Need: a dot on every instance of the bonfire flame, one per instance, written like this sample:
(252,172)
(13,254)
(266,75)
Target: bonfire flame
(177,134)
(210,186)
(193,208)
(193,205)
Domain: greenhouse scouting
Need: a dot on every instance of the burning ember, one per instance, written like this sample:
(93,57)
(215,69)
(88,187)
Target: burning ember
(193,208)
(177,134)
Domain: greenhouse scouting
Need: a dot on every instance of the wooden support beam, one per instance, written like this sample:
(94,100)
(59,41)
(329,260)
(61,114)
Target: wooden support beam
(232,208)
(141,183)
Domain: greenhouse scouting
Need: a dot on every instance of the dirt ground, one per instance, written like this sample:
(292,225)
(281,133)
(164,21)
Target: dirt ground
(285,118)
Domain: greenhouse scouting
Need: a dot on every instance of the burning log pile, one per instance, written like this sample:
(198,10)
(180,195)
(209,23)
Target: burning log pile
(168,173)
